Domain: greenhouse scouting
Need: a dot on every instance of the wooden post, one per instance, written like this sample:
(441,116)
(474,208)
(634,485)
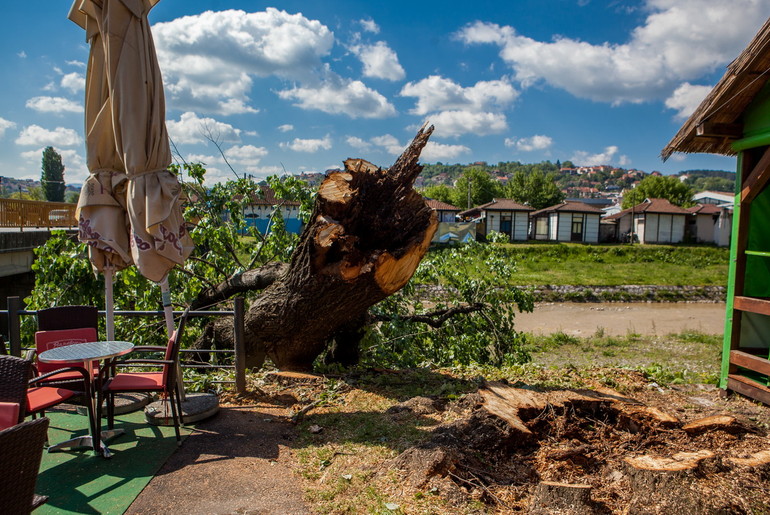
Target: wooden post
(14,325)
(240,348)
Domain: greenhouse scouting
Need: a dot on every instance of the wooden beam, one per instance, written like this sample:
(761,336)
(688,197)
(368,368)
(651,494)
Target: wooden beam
(720,130)
(750,361)
(752,305)
(757,179)
(749,388)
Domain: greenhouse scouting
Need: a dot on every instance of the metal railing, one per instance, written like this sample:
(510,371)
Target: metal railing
(15,312)
(35,213)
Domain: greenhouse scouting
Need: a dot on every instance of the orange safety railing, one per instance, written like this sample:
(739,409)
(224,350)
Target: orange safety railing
(35,213)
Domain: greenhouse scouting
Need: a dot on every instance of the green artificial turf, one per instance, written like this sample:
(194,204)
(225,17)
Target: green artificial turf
(77,481)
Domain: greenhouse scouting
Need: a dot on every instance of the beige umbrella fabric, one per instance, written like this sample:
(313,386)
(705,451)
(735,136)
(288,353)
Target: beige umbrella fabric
(133,148)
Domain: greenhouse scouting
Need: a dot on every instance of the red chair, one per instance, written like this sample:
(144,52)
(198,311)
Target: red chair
(21,447)
(45,340)
(163,381)
(9,414)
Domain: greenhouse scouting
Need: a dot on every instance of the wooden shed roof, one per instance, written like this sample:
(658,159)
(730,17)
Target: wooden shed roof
(716,124)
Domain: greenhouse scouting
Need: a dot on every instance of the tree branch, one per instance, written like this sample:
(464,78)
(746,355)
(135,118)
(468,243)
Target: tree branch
(257,279)
(434,318)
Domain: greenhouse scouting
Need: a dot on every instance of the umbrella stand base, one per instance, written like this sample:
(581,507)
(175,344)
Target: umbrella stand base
(88,442)
(124,403)
(196,406)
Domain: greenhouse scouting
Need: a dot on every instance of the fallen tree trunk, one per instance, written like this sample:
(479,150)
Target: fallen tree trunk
(367,234)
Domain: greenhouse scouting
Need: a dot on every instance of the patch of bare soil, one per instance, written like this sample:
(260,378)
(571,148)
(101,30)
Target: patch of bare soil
(618,319)
(516,449)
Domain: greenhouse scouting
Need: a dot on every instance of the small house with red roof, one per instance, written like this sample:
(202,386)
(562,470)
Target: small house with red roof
(501,215)
(567,221)
(656,220)
(260,210)
(710,223)
(444,212)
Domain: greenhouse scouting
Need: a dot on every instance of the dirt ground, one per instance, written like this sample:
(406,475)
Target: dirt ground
(615,319)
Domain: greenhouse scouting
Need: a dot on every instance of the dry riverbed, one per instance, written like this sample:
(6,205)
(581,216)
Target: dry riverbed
(617,319)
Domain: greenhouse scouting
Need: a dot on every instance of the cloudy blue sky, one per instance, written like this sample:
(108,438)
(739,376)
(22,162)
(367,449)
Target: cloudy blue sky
(301,86)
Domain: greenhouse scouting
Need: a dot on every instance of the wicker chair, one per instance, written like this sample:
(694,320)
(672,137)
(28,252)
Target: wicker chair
(163,381)
(21,447)
(14,374)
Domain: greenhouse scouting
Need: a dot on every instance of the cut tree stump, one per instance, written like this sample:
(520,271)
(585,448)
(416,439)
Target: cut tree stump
(703,425)
(760,460)
(648,473)
(551,497)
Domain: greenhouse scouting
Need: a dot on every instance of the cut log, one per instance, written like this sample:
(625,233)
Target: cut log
(703,425)
(650,473)
(368,232)
(294,378)
(758,461)
(552,497)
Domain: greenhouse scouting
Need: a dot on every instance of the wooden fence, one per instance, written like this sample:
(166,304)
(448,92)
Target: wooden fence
(35,213)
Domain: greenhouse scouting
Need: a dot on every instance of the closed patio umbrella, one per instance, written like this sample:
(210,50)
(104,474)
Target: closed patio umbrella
(130,186)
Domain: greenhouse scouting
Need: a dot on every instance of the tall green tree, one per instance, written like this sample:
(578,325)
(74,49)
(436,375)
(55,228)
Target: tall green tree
(535,188)
(440,192)
(653,186)
(474,188)
(52,178)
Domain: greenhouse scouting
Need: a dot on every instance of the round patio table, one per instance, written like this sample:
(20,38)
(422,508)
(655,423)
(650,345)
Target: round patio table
(87,353)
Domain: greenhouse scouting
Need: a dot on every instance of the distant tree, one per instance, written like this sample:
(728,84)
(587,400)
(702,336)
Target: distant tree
(72,197)
(52,179)
(32,193)
(535,188)
(711,184)
(474,188)
(568,164)
(667,187)
(440,192)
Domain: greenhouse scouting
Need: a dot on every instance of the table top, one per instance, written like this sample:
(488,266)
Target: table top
(85,351)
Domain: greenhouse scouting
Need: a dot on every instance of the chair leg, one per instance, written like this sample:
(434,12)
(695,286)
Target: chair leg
(110,410)
(172,400)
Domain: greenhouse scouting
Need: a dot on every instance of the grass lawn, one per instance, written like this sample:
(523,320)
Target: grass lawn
(612,265)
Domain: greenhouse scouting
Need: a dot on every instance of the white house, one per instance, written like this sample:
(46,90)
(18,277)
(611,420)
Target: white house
(501,215)
(655,220)
(567,221)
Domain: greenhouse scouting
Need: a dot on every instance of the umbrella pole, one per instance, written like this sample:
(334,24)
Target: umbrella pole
(168,312)
(109,304)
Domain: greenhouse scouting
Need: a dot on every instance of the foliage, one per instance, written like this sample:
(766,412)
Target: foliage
(474,188)
(440,192)
(469,274)
(52,178)
(497,237)
(668,187)
(534,188)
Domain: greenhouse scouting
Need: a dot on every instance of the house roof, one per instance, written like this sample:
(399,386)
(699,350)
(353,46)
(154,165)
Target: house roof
(499,204)
(652,205)
(705,209)
(569,206)
(268,198)
(716,123)
(437,205)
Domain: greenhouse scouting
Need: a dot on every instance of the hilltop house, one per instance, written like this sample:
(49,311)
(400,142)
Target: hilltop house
(501,215)
(655,220)
(567,221)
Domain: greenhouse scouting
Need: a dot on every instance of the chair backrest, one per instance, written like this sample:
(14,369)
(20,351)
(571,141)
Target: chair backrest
(14,374)
(45,340)
(172,349)
(21,447)
(67,317)
(9,414)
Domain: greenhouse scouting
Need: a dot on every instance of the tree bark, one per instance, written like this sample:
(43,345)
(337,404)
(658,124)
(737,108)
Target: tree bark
(368,232)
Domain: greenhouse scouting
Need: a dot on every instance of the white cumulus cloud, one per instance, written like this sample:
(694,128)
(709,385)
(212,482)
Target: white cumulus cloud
(582,158)
(679,40)
(369,25)
(191,129)
(208,59)
(536,142)
(287,127)
(5,125)
(74,82)
(337,95)
(308,145)
(686,98)
(54,105)
(38,136)
(436,93)
(451,124)
(380,61)
(358,143)
(440,152)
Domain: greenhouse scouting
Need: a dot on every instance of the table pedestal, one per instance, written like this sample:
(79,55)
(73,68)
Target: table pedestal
(88,441)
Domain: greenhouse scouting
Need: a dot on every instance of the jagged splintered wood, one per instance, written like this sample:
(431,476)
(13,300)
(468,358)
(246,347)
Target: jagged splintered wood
(367,234)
